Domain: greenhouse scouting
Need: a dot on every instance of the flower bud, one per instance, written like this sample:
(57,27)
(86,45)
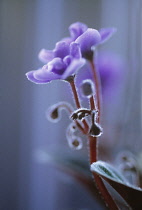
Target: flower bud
(75,142)
(87,88)
(53,113)
(96,130)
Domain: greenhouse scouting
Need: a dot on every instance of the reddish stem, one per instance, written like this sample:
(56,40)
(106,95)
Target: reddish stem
(78,105)
(75,94)
(93,143)
(92,103)
(97,88)
(102,188)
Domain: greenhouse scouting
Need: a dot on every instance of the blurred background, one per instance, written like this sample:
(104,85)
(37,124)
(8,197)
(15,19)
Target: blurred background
(27,178)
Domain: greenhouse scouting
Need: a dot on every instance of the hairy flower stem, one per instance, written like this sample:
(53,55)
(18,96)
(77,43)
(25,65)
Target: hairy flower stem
(92,103)
(78,105)
(102,188)
(97,88)
(75,93)
(93,145)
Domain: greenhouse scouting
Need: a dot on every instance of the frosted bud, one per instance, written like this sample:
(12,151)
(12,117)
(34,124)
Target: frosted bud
(53,113)
(87,88)
(75,142)
(96,130)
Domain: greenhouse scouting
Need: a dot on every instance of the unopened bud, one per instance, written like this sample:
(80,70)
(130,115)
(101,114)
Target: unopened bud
(75,142)
(53,114)
(87,88)
(96,130)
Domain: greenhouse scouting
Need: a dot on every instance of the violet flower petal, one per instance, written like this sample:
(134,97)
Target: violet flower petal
(106,33)
(62,49)
(45,55)
(67,40)
(76,29)
(75,50)
(45,74)
(88,39)
(67,60)
(57,66)
(41,76)
(31,77)
(74,66)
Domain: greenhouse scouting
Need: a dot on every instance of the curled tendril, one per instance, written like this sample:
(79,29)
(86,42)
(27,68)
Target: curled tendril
(54,112)
(74,141)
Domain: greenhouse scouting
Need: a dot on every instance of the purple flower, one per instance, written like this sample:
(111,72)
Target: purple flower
(84,36)
(110,68)
(63,62)
(87,40)
(88,37)
(91,38)
(77,29)
(66,58)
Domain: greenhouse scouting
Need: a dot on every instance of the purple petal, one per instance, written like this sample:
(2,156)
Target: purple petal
(88,39)
(67,60)
(74,66)
(61,50)
(57,66)
(76,29)
(30,76)
(45,55)
(41,76)
(106,33)
(67,40)
(75,50)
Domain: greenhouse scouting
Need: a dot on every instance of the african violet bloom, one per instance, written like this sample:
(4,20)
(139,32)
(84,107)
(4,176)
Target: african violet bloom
(85,37)
(110,68)
(77,29)
(63,62)
(88,37)
(66,58)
